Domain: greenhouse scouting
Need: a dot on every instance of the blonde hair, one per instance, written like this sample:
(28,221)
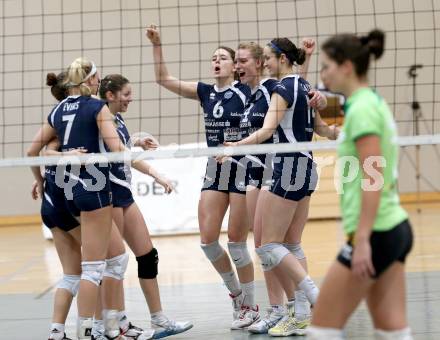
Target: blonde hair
(77,73)
(256,51)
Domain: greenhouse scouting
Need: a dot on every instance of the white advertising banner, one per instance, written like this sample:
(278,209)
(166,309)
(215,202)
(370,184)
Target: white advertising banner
(175,212)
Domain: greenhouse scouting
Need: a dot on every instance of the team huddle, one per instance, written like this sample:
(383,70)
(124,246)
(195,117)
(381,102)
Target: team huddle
(259,95)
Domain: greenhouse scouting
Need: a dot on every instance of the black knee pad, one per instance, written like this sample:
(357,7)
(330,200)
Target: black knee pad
(147,265)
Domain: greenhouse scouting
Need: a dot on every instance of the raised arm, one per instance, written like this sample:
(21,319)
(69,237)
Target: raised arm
(308,45)
(163,78)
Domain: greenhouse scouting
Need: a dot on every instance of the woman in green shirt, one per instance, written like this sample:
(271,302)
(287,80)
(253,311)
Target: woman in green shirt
(371,265)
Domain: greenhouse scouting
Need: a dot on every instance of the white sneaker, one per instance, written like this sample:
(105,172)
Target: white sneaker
(236,305)
(169,327)
(269,321)
(134,332)
(246,317)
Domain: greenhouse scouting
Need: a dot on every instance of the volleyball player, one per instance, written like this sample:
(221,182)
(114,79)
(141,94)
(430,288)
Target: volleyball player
(63,225)
(249,63)
(371,265)
(223,105)
(116,91)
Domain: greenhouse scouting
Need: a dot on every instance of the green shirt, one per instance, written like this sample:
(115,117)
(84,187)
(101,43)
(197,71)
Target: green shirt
(368,114)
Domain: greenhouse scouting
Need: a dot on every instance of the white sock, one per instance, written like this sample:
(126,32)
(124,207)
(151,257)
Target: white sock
(123,321)
(84,328)
(57,331)
(98,328)
(111,322)
(399,334)
(308,286)
(322,333)
(302,306)
(158,317)
(231,282)
(278,309)
(248,290)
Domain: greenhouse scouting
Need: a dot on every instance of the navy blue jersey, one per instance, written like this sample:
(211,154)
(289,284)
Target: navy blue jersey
(120,173)
(222,109)
(74,120)
(258,105)
(297,124)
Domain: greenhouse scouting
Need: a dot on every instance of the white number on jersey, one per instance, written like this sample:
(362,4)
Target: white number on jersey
(69,119)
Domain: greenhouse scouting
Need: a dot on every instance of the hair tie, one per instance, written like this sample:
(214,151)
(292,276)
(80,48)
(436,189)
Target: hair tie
(91,73)
(276,48)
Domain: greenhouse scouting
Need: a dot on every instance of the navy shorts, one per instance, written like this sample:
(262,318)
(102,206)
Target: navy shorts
(260,171)
(54,212)
(386,247)
(122,197)
(227,177)
(294,176)
(87,194)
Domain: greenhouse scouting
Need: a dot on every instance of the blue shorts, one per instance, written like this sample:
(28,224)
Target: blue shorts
(294,176)
(122,197)
(260,170)
(227,177)
(54,212)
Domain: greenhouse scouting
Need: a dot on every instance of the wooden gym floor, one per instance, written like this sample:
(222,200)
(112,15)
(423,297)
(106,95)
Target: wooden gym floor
(191,289)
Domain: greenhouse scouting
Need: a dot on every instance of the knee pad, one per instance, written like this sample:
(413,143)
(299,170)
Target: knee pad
(116,266)
(70,283)
(321,333)
(400,334)
(213,251)
(93,271)
(271,255)
(239,254)
(147,265)
(296,250)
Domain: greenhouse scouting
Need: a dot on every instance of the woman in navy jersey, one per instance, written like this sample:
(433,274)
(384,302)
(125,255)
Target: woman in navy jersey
(250,62)
(82,122)
(63,225)
(116,91)
(282,211)
(223,105)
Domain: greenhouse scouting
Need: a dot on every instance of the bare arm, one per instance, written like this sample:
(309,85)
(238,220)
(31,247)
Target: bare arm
(368,146)
(163,78)
(325,130)
(273,118)
(147,169)
(43,136)
(108,131)
(308,45)
(53,147)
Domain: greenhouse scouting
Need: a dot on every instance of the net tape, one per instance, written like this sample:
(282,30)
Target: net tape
(185,151)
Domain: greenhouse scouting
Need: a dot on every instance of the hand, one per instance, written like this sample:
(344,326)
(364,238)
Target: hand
(37,190)
(166,183)
(308,44)
(361,263)
(153,34)
(75,152)
(317,100)
(336,131)
(148,143)
(223,158)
